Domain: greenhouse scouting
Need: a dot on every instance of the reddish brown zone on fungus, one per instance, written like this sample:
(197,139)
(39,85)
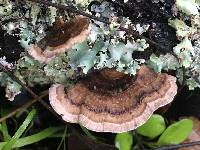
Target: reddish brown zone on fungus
(111,74)
(107,81)
(62,37)
(62,32)
(101,104)
(102,90)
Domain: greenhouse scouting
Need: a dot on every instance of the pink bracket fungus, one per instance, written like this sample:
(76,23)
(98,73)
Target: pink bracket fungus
(62,37)
(109,101)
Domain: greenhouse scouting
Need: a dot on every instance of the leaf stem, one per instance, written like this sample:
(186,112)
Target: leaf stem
(170,147)
(23,107)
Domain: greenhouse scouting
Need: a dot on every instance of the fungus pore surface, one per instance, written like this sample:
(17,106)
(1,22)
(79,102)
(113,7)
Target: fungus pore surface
(109,101)
(61,38)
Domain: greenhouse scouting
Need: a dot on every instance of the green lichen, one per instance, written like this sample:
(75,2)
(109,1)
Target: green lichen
(102,55)
(106,46)
(192,84)
(163,62)
(83,3)
(189,7)
(185,60)
(33,72)
(184,51)
(182,30)
(5,8)
(12,88)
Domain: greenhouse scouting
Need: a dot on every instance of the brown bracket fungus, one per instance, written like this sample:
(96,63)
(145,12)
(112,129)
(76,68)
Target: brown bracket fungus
(108,101)
(62,37)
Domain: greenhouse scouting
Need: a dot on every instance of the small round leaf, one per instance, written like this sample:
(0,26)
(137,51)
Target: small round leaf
(124,141)
(153,127)
(176,133)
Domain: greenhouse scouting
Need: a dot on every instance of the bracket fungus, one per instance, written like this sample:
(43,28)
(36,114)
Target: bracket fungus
(62,37)
(109,101)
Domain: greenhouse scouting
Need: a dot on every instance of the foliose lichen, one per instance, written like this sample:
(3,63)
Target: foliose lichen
(107,46)
(186,52)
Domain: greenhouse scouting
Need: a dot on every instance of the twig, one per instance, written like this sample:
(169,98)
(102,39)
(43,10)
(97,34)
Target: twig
(135,34)
(76,11)
(14,78)
(28,104)
(23,107)
(179,146)
(71,9)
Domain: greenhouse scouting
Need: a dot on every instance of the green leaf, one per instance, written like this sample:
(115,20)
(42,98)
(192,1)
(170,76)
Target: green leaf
(63,140)
(176,133)
(33,138)
(124,141)
(3,126)
(4,131)
(92,137)
(153,127)
(20,131)
(37,137)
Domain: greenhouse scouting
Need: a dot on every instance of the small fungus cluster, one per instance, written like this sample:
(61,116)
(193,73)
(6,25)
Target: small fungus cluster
(96,78)
(105,100)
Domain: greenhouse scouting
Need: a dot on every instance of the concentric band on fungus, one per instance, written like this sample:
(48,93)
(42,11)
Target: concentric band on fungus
(118,111)
(61,39)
